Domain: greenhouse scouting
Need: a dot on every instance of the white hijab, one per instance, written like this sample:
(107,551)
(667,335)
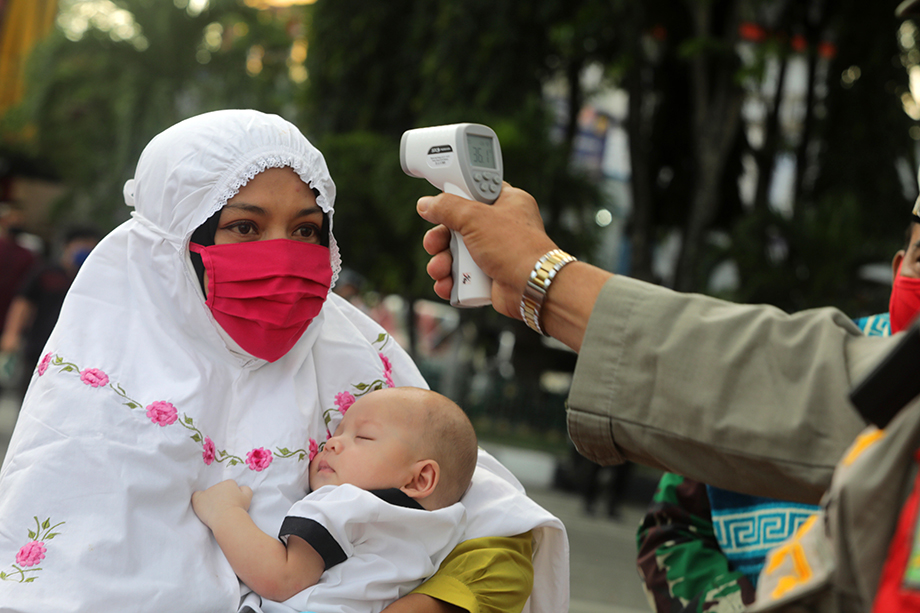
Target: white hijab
(142,399)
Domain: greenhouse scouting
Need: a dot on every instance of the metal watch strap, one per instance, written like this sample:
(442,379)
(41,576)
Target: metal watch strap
(541,277)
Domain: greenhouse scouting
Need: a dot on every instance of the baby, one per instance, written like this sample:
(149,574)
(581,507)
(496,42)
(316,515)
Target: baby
(386,486)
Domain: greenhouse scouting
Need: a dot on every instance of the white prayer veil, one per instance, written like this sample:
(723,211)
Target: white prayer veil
(141,399)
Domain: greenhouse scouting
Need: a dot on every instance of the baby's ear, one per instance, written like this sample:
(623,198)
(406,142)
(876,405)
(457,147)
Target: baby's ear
(425,477)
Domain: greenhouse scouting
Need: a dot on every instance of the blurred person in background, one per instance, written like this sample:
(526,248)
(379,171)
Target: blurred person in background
(15,263)
(35,308)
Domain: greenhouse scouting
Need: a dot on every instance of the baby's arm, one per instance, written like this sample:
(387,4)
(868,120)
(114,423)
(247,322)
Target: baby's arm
(270,569)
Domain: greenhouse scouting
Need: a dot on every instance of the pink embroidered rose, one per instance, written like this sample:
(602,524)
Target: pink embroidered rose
(31,554)
(259,459)
(314,449)
(387,370)
(94,377)
(43,365)
(162,413)
(343,401)
(209,452)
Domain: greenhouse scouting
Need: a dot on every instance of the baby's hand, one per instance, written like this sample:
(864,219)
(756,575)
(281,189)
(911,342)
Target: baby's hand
(213,502)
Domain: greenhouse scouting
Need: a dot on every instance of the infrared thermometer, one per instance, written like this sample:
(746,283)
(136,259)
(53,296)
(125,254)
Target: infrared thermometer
(463,159)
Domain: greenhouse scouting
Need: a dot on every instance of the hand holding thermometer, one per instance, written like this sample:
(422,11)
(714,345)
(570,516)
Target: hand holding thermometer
(463,159)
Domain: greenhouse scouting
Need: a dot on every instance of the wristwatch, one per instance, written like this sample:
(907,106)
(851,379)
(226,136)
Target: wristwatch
(541,277)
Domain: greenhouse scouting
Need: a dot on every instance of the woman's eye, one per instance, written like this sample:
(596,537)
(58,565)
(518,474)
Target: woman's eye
(309,231)
(243,227)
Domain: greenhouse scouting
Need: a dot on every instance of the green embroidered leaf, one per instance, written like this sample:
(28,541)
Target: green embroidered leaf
(302,456)
(46,524)
(68,369)
(233,462)
(3,575)
(222,453)
(361,386)
(30,579)
(32,535)
(188,420)
(51,536)
(196,437)
(132,405)
(284,450)
(381,337)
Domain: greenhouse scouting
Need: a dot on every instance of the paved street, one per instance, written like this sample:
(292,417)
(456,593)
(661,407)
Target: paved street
(603,574)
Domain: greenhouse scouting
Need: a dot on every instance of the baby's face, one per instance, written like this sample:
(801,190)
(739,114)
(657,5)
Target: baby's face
(373,447)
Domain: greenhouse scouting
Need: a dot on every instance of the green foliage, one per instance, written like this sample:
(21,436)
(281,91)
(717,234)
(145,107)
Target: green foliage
(812,260)
(379,69)
(95,102)
(375,223)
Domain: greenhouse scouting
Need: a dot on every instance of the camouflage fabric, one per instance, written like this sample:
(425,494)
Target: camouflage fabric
(679,559)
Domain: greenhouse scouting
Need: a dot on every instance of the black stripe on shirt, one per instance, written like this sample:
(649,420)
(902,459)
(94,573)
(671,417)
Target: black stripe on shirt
(317,536)
(397,497)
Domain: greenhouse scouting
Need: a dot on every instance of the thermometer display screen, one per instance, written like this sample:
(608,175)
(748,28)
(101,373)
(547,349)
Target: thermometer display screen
(480,150)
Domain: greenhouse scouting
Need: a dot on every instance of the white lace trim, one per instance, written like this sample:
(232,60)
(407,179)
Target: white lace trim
(307,172)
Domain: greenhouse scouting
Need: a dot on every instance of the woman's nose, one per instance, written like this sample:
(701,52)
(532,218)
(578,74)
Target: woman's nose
(273,232)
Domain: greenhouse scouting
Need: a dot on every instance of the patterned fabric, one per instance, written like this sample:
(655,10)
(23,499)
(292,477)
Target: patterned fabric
(679,558)
(874,325)
(747,527)
(701,548)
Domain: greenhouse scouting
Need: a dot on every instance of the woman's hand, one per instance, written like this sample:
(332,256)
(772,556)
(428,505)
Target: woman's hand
(211,504)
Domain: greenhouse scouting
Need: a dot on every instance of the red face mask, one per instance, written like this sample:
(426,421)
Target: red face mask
(905,302)
(264,294)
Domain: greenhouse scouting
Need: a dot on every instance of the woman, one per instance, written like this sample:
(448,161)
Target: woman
(200,343)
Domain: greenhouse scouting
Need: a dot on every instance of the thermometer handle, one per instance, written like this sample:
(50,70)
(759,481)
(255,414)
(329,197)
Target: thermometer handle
(472,288)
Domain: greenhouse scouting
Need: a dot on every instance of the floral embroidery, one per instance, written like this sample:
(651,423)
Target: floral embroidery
(259,459)
(162,413)
(32,553)
(344,400)
(43,365)
(208,451)
(94,377)
(387,370)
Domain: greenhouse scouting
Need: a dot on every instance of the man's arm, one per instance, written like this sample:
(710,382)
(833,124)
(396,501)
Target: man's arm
(745,397)
(270,569)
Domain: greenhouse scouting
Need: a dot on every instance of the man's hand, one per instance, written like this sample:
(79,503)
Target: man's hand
(505,239)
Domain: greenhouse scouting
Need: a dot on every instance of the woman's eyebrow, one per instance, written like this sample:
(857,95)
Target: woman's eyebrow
(309,211)
(249,208)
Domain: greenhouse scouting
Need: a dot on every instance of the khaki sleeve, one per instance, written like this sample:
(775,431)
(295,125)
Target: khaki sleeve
(744,397)
(485,575)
